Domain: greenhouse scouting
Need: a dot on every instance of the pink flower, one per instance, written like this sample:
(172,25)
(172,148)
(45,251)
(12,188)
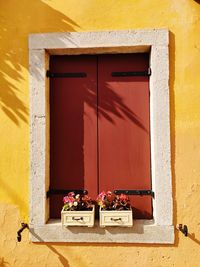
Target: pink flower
(65,199)
(101,196)
(68,199)
(71,194)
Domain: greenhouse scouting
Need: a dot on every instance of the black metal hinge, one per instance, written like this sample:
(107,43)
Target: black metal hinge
(135,192)
(183,229)
(66,74)
(131,73)
(65,192)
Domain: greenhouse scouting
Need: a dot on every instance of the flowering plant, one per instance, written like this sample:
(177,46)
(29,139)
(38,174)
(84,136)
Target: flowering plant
(77,202)
(110,201)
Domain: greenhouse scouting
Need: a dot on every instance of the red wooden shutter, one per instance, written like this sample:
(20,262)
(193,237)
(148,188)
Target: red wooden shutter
(124,130)
(107,151)
(73,127)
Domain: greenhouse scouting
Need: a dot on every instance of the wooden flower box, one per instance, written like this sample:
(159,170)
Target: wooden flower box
(78,218)
(123,218)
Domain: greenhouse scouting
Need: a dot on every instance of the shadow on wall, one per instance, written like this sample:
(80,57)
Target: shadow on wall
(2,262)
(61,258)
(192,236)
(18,21)
(13,194)
(172,127)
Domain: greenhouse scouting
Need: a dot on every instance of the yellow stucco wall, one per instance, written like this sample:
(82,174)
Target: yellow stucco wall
(17,20)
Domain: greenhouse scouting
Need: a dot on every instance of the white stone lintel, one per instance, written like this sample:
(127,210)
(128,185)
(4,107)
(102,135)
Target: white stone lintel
(126,38)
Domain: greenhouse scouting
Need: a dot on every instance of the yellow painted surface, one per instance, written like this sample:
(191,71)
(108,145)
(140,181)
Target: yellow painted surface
(17,20)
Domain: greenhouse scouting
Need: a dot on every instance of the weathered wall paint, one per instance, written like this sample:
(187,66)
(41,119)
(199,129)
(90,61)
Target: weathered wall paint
(17,20)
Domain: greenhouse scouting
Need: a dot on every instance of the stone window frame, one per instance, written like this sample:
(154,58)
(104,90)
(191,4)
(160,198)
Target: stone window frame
(41,46)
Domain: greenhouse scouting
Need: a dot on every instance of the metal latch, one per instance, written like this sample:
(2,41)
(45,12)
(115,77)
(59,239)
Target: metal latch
(23,226)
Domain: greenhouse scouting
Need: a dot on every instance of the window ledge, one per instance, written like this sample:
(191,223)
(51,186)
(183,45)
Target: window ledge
(143,231)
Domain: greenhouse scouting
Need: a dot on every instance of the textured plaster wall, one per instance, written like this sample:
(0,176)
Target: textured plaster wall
(17,20)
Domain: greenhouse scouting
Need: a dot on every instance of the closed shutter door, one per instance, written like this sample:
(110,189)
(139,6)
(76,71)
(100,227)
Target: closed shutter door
(124,130)
(73,127)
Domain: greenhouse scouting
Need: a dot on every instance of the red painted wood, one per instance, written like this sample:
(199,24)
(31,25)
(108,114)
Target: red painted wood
(73,128)
(124,130)
(111,151)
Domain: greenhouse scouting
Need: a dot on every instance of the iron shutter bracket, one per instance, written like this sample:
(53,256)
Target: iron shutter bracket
(135,192)
(50,74)
(131,73)
(183,229)
(53,191)
(24,226)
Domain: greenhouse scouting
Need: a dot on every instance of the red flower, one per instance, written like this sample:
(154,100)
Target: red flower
(111,201)
(123,197)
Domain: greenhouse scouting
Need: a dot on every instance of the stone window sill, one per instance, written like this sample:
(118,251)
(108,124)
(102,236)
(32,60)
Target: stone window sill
(143,231)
